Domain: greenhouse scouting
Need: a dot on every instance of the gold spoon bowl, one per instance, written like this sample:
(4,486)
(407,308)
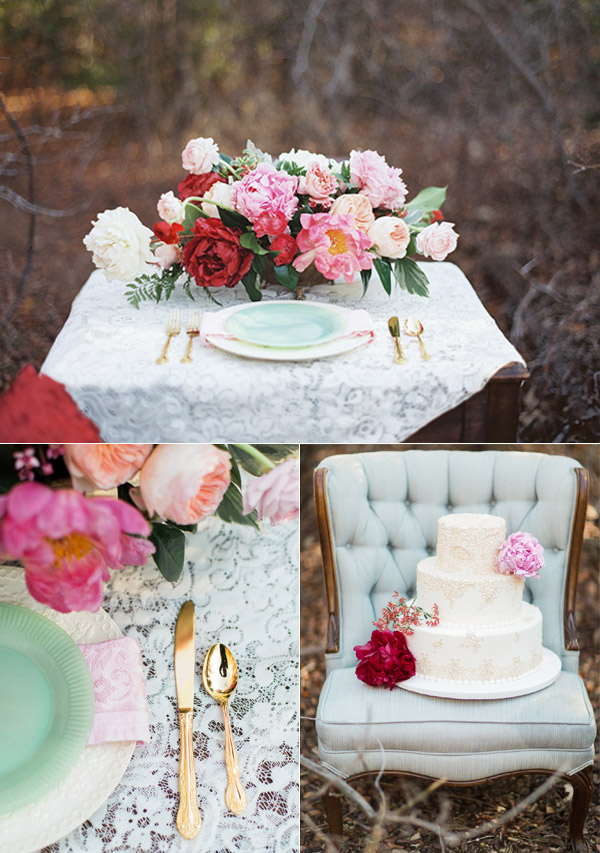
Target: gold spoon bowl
(414,329)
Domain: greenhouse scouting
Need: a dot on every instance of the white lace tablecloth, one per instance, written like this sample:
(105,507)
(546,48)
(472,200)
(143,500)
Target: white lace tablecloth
(106,356)
(244,585)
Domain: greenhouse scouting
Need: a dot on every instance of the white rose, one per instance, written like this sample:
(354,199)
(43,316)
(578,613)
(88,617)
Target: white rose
(220,192)
(120,245)
(200,155)
(390,236)
(437,240)
(170,208)
(304,158)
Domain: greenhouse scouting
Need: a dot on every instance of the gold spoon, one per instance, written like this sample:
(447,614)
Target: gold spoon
(220,678)
(394,327)
(414,328)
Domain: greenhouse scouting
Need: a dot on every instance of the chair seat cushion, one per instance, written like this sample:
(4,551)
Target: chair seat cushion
(362,728)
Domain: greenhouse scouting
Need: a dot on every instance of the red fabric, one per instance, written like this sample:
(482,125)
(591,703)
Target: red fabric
(39,410)
(214,256)
(198,184)
(385,659)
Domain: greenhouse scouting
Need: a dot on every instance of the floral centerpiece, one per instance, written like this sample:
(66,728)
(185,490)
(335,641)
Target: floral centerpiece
(285,219)
(68,537)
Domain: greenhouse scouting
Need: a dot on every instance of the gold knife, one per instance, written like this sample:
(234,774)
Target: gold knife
(189,820)
(394,327)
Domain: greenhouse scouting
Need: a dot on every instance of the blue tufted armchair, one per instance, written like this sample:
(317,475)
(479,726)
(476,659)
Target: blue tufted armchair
(377,515)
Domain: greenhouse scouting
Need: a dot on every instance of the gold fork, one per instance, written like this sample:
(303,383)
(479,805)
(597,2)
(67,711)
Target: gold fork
(192,331)
(173,329)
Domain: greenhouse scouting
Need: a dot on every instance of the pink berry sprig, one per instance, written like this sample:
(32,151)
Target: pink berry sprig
(403,615)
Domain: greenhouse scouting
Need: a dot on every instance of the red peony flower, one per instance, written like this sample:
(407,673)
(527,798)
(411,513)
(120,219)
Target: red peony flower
(38,409)
(287,248)
(385,659)
(167,232)
(198,184)
(214,256)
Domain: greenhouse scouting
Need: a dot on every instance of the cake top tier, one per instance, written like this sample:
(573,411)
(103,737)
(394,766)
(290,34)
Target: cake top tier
(468,543)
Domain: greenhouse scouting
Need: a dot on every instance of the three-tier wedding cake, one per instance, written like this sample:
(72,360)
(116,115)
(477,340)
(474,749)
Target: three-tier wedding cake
(486,632)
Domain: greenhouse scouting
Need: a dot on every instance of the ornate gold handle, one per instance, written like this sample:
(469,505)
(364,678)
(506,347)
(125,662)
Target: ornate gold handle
(187,358)
(162,359)
(424,354)
(235,796)
(189,820)
(399,359)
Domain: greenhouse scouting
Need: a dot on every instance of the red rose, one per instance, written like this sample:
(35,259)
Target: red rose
(272,224)
(214,256)
(166,232)
(198,184)
(38,409)
(287,248)
(385,659)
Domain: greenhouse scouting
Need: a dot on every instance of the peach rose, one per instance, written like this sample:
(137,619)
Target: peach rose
(184,482)
(437,240)
(104,466)
(319,183)
(357,206)
(390,236)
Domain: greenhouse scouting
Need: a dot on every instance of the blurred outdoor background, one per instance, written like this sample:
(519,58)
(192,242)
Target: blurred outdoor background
(498,99)
(541,828)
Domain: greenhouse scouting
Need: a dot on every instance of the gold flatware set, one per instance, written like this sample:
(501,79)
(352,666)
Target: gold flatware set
(220,678)
(414,329)
(174,328)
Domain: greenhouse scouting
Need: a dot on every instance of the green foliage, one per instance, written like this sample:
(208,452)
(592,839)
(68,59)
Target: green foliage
(384,272)
(411,277)
(249,282)
(192,213)
(233,219)
(430,198)
(155,287)
(291,168)
(249,241)
(273,453)
(287,275)
(230,508)
(366,278)
(169,542)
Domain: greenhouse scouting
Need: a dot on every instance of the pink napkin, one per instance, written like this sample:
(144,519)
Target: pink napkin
(121,707)
(358,324)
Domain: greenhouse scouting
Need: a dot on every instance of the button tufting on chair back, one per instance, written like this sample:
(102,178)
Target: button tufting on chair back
(384,507)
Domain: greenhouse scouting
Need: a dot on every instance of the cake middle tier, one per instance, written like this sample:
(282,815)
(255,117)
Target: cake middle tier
(468,600)
(479,654)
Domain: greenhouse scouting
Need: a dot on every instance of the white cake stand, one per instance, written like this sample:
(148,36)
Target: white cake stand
(545,674)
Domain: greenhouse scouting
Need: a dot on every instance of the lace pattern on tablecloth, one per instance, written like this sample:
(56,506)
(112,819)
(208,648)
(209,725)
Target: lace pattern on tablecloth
(106,356)
(245,588)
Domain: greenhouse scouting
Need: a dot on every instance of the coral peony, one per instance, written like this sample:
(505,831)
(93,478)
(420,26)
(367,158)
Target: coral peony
(214,255)
(200,155)
(385,659)
(38,409)
(275,495)
(267,198)
(380,183)
(120,245)
(104,466)
(334,244)
(319,183)
(286,246)
(67,543)
(522,555)
(184,482)
(437,240)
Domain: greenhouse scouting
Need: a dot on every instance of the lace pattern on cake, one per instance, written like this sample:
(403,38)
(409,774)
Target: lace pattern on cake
(486,670)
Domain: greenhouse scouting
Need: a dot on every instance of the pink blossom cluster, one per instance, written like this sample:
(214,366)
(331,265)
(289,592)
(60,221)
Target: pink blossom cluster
(267,197)
(403,615)
(334,244)
(522,555)
(380,183)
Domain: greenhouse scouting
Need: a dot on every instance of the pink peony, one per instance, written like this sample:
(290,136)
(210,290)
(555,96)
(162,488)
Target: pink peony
(200,155)
(267,198)
(334,244)
(67,543)
(184,482)
(522,555)
(104,466)
(385,659)
(437,240)
(275,495)
(380,183)
(319,183)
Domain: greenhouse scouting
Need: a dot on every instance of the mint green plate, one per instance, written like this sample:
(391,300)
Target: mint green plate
(46,705)
(286,325)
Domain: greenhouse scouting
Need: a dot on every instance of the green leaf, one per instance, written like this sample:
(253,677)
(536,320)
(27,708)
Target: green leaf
(248,462)
(411,277)
(192,213)
(189,528)
(431,198)
(287,275)
(230,508)
(259,263)
(123,493)
(249,241)
(384,272)
(233,219)
(366,278)
(413,216)
(236,477)
(170,550)
(277,452)
(249,282)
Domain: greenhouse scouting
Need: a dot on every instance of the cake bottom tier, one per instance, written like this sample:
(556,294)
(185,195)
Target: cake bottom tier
(479,654)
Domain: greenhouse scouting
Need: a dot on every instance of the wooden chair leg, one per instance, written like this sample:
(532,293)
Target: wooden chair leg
(582,795)
(333,811)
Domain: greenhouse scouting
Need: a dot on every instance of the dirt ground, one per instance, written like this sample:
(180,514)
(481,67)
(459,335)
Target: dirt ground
(539,829)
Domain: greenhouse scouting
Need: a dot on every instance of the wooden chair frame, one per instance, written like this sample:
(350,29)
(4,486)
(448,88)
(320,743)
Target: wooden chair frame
(581,781)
